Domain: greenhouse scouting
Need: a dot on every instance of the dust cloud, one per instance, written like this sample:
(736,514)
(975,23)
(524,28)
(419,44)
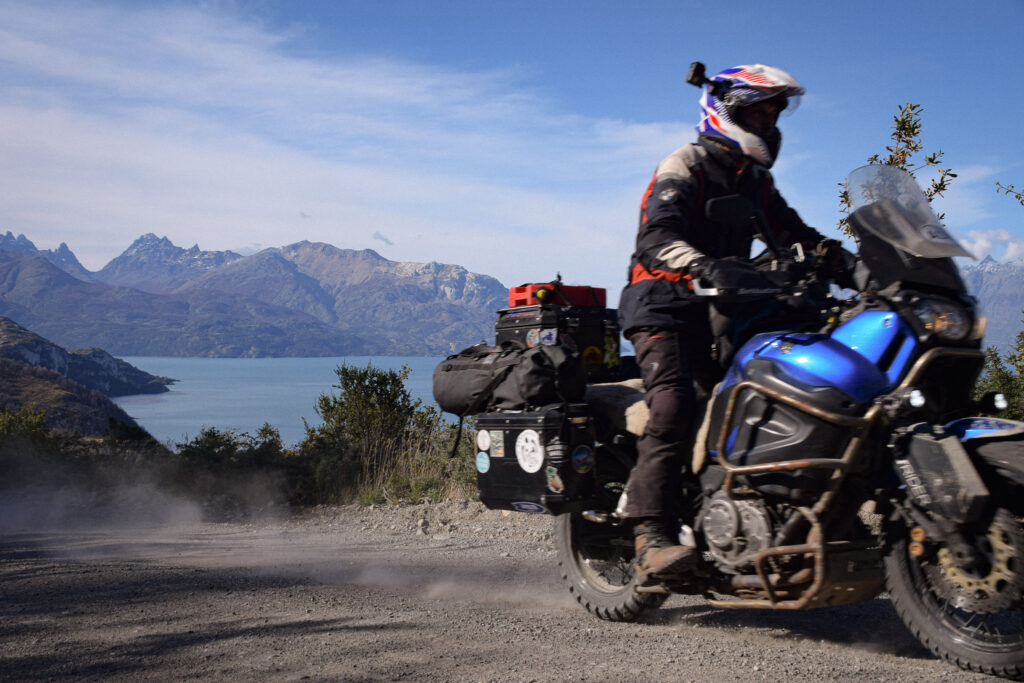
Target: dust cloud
(132,514)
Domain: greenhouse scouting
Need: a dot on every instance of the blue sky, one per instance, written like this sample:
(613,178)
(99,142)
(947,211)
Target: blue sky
(514,138)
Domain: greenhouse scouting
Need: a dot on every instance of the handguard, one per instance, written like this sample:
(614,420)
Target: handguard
(837,261)
(729,277)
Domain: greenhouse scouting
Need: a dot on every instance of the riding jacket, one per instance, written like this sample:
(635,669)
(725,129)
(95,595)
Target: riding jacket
(674,230)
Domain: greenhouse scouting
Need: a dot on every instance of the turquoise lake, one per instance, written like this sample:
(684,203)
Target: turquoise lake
(243,393)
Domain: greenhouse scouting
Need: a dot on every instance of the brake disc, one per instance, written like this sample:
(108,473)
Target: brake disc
(1001,587)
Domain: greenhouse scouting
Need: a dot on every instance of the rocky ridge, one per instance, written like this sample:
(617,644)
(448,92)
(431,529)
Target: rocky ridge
(62,256)
(91,367)
(153,264)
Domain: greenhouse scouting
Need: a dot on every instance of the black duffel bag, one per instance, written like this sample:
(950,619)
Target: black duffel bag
(465,381)
(508,377)
(544,375)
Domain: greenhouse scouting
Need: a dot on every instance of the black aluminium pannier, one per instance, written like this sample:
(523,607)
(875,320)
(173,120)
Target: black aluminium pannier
(538,461)
(588,330)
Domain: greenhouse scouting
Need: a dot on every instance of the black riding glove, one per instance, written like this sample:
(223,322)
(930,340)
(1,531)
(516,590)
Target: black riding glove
(837,262)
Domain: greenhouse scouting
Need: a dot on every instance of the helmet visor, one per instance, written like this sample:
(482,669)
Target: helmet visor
(743,97)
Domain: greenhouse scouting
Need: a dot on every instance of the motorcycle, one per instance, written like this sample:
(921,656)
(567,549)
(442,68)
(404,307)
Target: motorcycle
(840,456)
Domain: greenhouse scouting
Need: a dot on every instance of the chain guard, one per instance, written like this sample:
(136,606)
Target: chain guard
(1001,588)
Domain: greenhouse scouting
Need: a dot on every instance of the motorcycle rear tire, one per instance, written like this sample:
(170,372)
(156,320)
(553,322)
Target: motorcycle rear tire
(952,634)
(596,563)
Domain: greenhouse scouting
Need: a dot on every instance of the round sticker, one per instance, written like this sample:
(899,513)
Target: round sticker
(483,463)
(533,338)
(592,356)
(582,459)
(483,440)
(529,451)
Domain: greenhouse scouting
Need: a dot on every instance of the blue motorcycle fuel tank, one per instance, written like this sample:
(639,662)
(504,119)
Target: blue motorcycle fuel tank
(839,373)
(864,357)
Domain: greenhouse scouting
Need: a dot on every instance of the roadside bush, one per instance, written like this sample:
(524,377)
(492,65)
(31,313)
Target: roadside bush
(27,423)
(423,469)
(1005,374)
(232,473)
(228,451)
(377,443)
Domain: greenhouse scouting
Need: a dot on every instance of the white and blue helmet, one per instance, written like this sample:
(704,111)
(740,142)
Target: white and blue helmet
(739,87)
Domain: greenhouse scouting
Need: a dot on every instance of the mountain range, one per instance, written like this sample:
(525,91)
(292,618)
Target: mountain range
(303,299)
(998,287)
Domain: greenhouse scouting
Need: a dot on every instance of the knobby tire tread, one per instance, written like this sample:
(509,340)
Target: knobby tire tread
(623,605)
(908,604)
(628,610)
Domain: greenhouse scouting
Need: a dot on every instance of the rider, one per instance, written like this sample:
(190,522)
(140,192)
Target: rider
(737,143)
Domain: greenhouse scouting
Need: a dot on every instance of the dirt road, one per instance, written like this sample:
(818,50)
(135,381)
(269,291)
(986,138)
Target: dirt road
(421,593)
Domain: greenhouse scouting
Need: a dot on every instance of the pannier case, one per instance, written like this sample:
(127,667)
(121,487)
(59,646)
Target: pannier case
(593,332)
(536,461)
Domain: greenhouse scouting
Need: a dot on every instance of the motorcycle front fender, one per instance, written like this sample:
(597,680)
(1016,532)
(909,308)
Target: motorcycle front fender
(998,443)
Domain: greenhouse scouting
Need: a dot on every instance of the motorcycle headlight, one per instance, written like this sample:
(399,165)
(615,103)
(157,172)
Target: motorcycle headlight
(944,319)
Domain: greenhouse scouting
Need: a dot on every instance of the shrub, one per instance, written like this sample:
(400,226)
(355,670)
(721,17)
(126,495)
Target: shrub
(424,469)
(27,423)
(225,451)
(375,444)
(378,444)
(1005,375)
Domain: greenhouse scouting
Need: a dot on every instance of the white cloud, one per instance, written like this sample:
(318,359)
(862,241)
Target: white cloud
(1002,245)
(203,127)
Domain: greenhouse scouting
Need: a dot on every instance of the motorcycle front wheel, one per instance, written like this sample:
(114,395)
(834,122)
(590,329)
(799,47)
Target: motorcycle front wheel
(596,563)
(970,617)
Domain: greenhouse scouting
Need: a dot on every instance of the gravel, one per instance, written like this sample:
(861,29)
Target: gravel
(449,591)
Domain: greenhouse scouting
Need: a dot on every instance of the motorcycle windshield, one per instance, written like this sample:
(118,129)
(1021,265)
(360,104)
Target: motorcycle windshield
(888,203)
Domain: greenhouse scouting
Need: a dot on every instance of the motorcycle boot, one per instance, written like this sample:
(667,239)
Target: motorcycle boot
(658,557)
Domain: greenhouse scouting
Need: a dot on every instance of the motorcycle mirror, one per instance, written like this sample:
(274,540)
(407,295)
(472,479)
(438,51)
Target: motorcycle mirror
(734,211)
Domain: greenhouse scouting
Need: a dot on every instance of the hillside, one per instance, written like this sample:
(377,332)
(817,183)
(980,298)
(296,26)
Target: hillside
(94,368)
(69,406)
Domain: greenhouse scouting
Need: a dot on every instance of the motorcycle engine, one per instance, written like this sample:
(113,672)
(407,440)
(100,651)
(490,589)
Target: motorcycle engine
(736,530)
